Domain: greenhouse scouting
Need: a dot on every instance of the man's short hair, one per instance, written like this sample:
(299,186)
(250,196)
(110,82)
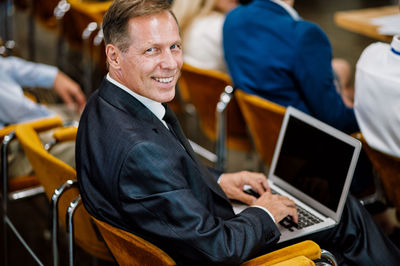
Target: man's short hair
(115,21)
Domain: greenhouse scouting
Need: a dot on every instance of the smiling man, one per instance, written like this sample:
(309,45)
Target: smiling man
(137,171)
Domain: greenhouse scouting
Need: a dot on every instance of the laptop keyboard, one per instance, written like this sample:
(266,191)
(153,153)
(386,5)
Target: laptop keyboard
(305,218)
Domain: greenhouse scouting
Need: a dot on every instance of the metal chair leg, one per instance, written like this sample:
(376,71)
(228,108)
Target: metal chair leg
(222,105)
(4,155)
(54,206)
(87,60)
(70,229)
(6,221)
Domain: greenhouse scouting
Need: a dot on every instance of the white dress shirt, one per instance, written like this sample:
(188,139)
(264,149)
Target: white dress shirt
(202,43)
(16,73)
(377,96)
(155,107)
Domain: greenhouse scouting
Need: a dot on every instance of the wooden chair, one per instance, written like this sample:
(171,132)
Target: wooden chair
(52,174)
(21,186)
(205,88)
(78,22)
(387,168)
(264,119)
(129,249)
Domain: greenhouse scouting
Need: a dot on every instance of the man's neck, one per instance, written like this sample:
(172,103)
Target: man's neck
(155,107)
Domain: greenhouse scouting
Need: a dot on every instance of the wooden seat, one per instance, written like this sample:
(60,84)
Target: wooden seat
(205,88)
(52,173)
(388,169)
(264,119)
(129,249)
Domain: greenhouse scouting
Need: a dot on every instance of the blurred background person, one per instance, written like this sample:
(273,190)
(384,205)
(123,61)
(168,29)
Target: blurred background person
(15,107)
(377,96)
(201,24)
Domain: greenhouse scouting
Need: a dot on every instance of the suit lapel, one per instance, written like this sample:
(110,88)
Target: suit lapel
(127,103)
(208,178)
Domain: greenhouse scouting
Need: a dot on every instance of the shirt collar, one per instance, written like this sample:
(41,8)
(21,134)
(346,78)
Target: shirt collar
(292,12)
(396,44)
(155,107)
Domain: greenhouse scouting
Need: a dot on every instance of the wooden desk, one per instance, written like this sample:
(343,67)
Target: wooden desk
(358,21)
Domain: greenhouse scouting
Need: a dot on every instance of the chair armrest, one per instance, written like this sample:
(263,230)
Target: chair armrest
(65,134)
(308,249)
(298,261)
(37,125)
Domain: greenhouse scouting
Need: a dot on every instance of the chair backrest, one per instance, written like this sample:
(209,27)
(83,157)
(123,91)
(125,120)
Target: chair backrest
(129,249)
(264,120)
(388,170)
(28,181)
(204,88)
(52,173)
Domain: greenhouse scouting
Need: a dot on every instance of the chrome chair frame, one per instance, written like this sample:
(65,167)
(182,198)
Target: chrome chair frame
(221,149)
(87,59)
(70,229)
(25,193)
(6,221)
(54,206)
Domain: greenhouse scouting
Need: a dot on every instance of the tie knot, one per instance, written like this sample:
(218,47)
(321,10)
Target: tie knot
(169,116)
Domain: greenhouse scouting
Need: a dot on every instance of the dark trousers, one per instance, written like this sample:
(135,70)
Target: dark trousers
(356,240)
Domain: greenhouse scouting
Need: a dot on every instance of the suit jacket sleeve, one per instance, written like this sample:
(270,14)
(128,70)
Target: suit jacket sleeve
(167,210)
(313,70)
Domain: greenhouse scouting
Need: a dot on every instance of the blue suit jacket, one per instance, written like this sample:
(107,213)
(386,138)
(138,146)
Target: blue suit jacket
(135,175)
(284,60)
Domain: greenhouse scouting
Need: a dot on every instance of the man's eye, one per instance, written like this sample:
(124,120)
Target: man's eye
(150,50)
(175,46)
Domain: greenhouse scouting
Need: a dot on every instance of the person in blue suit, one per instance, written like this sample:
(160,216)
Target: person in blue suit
(137,171)
(273,53)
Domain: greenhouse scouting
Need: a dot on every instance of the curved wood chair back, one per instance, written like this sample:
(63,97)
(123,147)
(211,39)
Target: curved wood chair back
(28,181)
(264,120)
(388,170)
(129,249)
(52,173)
(204,88)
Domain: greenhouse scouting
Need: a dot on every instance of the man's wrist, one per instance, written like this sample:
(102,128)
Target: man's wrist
(264,209)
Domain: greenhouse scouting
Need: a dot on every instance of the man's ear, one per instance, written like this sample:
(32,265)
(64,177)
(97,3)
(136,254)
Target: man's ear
(113,53)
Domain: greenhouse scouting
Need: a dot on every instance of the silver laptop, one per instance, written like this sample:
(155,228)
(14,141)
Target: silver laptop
(313,164)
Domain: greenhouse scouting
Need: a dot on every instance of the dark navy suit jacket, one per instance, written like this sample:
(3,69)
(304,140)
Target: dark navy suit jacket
(284,60)
(134,174)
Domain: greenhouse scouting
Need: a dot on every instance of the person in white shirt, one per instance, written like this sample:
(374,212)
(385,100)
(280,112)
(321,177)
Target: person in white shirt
(201,28)
(16,73)
(15,107)
(377,96)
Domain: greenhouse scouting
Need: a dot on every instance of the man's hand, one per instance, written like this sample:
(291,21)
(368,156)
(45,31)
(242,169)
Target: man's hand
(279,206)
(69,91)
(232,184)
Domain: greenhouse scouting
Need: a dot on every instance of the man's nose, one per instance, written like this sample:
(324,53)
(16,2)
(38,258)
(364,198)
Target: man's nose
(169,60)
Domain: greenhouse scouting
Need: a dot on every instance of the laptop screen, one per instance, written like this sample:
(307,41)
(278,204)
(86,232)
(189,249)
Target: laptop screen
(314,161)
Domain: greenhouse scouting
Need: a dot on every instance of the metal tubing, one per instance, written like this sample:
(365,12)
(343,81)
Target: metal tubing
(329,257)
(221,149)
(70,229)
(54,206)
(4,155)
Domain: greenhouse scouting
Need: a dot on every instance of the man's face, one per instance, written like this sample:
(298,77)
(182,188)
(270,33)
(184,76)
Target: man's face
(151,65)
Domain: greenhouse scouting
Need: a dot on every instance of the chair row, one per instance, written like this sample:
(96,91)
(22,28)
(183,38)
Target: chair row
(55,178)
(59,184)
(232,117)
(77,25)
